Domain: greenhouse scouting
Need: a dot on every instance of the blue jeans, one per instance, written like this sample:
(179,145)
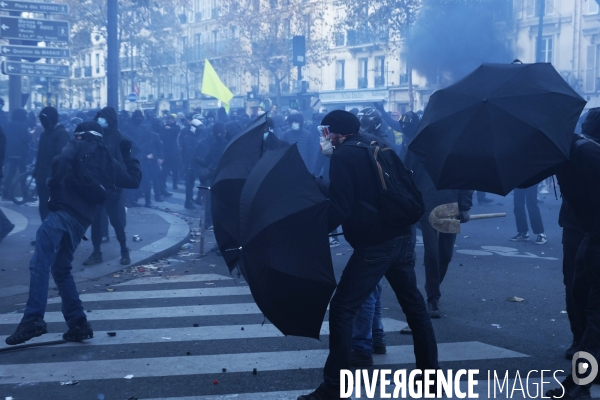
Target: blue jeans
(56,241)
(367,327)
(396,260)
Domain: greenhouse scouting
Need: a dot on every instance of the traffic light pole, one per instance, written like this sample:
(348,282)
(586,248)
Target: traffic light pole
(112,73)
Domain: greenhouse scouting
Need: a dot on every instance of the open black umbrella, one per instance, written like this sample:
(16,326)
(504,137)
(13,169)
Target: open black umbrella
(497,127)
(286,257)
(239,157)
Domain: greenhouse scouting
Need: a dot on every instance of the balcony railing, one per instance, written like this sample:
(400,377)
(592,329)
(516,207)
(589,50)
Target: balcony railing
(207,50)
(379,81)
(363,36)
(363,83)
(403,79)
(340,84)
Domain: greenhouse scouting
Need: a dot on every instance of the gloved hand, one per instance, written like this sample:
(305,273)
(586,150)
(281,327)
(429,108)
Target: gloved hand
(125,147)
(379,107)
(463,217)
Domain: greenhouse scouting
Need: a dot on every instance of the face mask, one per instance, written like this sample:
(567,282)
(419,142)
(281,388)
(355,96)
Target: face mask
(326,147)
(295,126)
(193,129)
(102,122)
(265,135)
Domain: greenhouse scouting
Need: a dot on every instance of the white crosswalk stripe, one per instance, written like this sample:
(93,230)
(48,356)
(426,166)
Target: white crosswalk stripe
(157,327)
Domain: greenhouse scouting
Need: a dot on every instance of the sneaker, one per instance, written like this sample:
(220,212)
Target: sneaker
(189,205)
(148,204)
(322,393)
(80,331)
(27,331)
(333,242)
(6,230)
(541,239)
(379,348)
(433,310)
(95,258)
(167,194)
(360,359)
(485,201)
(406,331)
(125,260)
(520,237)
(574,348)
(105,239)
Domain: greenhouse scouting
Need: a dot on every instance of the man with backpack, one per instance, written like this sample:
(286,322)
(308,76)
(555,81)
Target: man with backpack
(76,186)
(380,236)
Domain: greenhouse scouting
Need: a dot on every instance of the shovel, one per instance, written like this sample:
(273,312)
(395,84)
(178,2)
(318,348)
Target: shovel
(443,218)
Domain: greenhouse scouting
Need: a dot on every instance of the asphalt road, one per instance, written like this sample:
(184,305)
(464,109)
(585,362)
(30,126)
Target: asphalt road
(158,352)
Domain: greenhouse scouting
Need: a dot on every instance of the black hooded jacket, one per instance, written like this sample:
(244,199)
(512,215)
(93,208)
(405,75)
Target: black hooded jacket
(52,140)
(17,134)
(111,135)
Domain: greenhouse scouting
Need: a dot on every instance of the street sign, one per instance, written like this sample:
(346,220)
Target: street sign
(34,7)
(34,69)
(34,29)
(132,97)
(32,51)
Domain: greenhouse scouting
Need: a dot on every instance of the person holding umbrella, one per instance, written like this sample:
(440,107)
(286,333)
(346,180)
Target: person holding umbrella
(379,249)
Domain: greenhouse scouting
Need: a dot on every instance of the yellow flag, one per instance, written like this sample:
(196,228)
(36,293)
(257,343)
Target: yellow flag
(212,86)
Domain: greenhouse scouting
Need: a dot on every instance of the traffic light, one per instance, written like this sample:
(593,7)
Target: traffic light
(299,51)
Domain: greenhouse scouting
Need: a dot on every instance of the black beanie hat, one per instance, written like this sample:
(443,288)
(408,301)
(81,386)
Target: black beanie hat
(591,125)
(342,122)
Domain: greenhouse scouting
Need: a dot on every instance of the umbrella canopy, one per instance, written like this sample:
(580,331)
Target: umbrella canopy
(286,258)
(239,157)
(497,127)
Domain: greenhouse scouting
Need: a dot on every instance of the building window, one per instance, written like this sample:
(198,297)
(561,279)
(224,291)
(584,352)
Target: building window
(340,74)
(97,63)
(546,50)
(363,64)
(88,60)
(197,39)
(533,7)
(592,7)
(339,39)
(379,71)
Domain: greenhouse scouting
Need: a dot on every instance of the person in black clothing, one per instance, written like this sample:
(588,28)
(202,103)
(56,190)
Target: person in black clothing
(408,124)
(191,149)
(5,225)
(3,116)
(210,162)
(169,135)
(18,138)
(52,140)
(114,205)
(379,249)
(61,232)
(308,144)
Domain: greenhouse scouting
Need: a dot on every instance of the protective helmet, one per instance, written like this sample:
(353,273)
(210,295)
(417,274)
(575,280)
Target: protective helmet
(370,121)
(410,122)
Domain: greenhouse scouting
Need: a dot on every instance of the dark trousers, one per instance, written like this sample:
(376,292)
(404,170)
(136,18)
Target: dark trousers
(150,179)
(170,166)
(395,260)
(528,197)
(438,248)
(115,210)
(571,241)
(43,195)
(191,177)
(587,281)
(15,165)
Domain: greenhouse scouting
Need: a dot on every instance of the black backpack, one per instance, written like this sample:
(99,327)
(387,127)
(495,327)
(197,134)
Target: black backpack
(401,203)
(92,172)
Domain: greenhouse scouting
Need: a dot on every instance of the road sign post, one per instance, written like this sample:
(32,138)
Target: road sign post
(34,69)
(34,29)
(32,51)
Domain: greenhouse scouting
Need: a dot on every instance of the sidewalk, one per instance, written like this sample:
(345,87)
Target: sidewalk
(162,234)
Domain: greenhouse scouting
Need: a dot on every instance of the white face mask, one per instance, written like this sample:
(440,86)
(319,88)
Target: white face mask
(193,129)
(265,135)
(102,122)
(295,126)
(326,147)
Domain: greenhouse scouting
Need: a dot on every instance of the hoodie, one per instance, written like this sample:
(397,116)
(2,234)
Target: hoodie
(111,135)
(17,135)
(52,140)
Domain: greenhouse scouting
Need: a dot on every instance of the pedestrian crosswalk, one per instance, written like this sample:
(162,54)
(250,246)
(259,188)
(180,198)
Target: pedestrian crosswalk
(142,327)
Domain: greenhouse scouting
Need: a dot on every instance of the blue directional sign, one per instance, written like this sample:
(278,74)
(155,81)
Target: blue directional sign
(34,7)
(132,97)
(33,51)
(34,29)
(34,69)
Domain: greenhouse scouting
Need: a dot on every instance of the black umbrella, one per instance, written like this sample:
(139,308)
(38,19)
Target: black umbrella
(497,127)
(286,257)
(239,157)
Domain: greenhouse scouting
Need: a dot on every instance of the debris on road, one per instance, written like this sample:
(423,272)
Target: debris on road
(137,238)
(111,334)
(110,289)
(515,299)
(215,382)
(69,383)
(496,325)
(254,372)
(128,376)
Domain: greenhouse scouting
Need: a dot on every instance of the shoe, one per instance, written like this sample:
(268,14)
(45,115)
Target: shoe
(148,204)
(379,348)
(95,258)
(125,260)
(333,242)
(406,331)
(322,393)
(485,201)
(360,359)
(105,239)
(574,348)
(520,237)
(27,331)
(189,205)
(167,194)
(433,310)
(198,201)
(6,230)
(80,331)
(541,239)
(158,199)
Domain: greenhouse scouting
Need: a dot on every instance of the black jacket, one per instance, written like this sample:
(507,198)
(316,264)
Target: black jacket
(111,135)
(17,135)
(63,198)
(51,144)
(169,135)
(308,145)
(352,179)
(210,162)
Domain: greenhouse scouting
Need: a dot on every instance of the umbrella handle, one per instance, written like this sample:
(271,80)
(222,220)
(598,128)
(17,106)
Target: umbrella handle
(237,249)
